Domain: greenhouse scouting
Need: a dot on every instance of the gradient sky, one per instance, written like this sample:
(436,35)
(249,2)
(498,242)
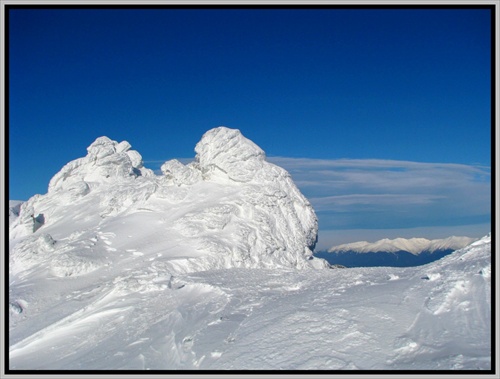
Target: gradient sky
(381,115)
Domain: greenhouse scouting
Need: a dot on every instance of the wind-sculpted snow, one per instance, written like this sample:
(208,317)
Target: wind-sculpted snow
(227,150)
(229,207)
(178,174)
(106,161)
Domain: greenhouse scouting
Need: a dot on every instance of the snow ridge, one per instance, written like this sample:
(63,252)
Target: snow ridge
(412,245)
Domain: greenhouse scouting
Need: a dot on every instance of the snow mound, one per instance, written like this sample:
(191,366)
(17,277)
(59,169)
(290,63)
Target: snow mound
(228,208)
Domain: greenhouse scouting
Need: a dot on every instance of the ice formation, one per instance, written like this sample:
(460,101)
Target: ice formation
(235,208)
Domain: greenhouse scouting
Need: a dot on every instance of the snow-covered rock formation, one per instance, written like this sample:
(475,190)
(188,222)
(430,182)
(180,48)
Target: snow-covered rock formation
(228,208)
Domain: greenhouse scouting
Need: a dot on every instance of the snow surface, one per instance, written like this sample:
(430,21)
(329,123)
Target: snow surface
(209,266)
(412,245)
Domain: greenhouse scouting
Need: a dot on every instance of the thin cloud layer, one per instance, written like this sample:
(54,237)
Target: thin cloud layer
(387,194)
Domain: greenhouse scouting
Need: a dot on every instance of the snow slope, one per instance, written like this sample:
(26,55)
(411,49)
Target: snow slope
(209,266)
(412,245)
(436,316)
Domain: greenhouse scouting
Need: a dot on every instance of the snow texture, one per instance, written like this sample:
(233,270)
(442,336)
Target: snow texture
(209,266)
(137,315)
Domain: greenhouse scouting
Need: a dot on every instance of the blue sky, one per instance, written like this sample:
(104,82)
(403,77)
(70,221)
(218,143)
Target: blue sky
(381,115)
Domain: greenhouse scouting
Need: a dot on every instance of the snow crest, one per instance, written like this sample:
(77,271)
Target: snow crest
(228,208)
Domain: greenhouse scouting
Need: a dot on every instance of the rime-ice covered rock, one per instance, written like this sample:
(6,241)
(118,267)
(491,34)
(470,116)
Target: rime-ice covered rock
(227,208)
(106,160)
(271,222)
(176,173)
(227,150)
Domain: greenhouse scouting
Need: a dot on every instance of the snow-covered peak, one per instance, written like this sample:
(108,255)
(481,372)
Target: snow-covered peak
(453,243)
(412,245)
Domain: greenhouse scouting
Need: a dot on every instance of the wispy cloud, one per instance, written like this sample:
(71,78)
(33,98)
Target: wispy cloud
(386,194)
(375,174)
(342,203)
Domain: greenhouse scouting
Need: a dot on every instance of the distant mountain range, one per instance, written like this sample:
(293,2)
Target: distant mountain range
(399,252)
(412,245)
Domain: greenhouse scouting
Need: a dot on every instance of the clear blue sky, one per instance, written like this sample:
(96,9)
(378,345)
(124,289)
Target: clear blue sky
(398,85)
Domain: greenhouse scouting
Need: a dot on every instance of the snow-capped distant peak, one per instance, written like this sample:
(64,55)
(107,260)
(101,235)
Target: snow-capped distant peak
(412,245)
